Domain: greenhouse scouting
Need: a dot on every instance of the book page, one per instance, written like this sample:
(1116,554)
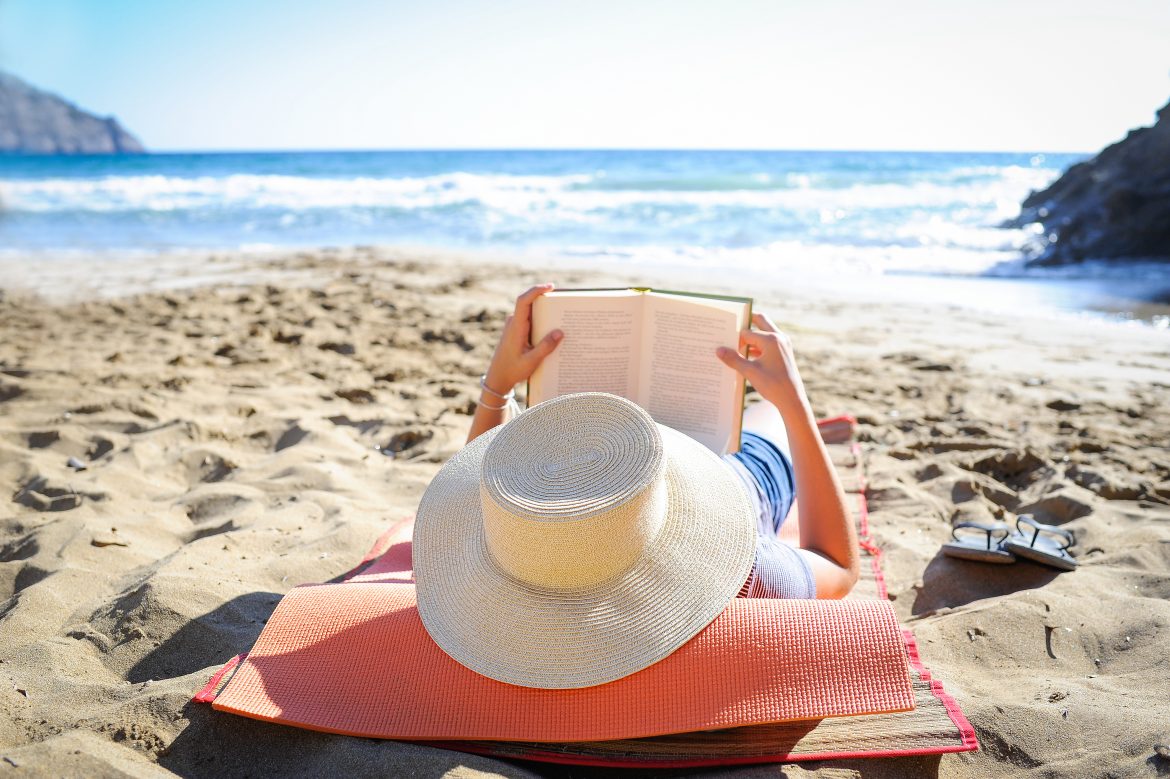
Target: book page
(601,346)
(686,386)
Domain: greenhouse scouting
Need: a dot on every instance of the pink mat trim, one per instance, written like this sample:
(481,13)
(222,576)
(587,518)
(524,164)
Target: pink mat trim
(966,730)
(212,688)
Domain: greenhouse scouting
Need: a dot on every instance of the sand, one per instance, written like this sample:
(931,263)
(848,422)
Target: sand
(246,424)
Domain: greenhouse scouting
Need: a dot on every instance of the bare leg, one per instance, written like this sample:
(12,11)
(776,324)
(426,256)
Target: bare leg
(764,419)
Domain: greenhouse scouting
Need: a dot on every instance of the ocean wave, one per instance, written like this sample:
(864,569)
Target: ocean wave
(828,179)
(800,258)
(849,212)
(257,191)
(740,182)
(572,197)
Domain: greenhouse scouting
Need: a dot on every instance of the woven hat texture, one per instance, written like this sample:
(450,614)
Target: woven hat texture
(577,544)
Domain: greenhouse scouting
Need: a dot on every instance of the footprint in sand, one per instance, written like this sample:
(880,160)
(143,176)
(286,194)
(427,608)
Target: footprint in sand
(205,466)
(363,426)
(99,448)
(977,485)
(1110,486)
(1067,503)
(356,395)
(448,335)
(43,495)
(1016,468)
(290,437)
(43,439)
(201,508)
(215,509)
(16,574)
(344,349)
(20,548)
(918,362)
(407,440)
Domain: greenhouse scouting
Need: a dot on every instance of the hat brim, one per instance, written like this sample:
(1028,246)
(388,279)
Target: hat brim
(511,632)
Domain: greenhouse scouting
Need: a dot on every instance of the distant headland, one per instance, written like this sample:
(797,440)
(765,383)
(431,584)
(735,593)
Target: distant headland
(1115,206)
(36,122)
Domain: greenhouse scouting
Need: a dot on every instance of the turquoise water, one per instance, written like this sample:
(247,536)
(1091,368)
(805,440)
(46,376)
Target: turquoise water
(880,211)
(832,215)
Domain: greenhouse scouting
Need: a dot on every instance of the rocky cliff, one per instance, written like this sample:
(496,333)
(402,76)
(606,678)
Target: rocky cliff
(1115,206)
(36,122)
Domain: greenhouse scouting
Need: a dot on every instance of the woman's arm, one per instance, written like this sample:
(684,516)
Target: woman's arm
(513,362)
(827,535)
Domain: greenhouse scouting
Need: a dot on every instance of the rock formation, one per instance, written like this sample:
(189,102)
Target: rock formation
(36,122)
(1115,206)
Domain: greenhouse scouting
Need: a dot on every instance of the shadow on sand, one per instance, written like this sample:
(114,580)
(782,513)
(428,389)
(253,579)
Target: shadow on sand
(208,640)
(224,745)
(947,582)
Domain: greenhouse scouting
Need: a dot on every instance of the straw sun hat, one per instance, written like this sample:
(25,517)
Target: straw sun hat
(577,544)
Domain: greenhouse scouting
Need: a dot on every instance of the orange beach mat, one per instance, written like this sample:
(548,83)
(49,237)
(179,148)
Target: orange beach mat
(305,672)
(354,658)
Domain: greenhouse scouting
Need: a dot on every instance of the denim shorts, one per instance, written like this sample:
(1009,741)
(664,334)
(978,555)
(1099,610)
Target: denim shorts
(772,471)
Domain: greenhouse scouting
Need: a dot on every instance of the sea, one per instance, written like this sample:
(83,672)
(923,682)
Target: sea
(929,221)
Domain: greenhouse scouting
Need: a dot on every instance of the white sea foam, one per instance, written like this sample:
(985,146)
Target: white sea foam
(517,195)
(243,191)
(800,258)
(854,218)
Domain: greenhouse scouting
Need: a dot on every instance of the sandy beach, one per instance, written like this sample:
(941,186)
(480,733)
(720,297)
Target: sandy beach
(182,442)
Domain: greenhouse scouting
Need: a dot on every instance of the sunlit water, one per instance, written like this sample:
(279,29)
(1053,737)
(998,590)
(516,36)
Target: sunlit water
(849,216)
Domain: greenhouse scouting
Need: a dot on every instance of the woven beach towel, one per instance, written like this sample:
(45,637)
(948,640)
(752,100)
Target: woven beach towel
(827,679)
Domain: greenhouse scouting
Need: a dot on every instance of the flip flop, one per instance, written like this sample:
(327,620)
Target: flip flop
(982,549)
(1043,549)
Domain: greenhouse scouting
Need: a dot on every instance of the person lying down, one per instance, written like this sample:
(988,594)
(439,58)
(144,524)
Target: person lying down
(581,522)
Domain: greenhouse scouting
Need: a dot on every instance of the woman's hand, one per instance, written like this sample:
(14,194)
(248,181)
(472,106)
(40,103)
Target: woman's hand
(514,359)
(770,365)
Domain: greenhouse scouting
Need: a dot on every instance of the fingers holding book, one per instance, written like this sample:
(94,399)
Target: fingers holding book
(770,364)
(515,359)
(767,328)
(762,321)
(523,311)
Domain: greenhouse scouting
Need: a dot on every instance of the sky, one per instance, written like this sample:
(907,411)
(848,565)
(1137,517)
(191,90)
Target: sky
(995,75)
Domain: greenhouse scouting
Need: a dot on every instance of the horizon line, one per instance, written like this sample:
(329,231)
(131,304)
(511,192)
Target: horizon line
(554,149)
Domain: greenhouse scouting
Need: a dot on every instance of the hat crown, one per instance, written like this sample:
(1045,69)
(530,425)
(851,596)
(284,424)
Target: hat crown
(573,491)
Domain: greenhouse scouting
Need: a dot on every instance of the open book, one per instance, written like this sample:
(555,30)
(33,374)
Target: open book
(654,348)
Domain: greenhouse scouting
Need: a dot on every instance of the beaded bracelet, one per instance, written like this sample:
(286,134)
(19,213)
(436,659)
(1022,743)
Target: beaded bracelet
(483,385)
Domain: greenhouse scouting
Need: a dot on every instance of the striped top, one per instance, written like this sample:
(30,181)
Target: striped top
(779,570)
